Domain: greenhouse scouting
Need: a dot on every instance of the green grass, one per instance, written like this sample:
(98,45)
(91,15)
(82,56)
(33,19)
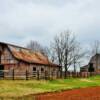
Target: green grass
(17,88)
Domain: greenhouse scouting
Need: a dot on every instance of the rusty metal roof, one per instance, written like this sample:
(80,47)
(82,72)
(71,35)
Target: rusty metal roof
(29,56)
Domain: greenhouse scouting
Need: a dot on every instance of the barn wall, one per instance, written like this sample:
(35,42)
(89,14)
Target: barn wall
(7,58)
(20,71)
(49,70)
(96,63)
(20,67)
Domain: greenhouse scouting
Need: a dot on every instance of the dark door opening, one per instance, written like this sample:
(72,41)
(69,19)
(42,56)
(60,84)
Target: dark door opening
(91,68)
(1,71)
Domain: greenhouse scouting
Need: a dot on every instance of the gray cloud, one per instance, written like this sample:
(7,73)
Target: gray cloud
(22,20)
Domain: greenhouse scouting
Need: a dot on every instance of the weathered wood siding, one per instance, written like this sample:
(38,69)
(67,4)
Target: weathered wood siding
(10,63)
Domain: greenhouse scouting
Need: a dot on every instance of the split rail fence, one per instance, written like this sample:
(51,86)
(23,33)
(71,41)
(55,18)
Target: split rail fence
(5,74)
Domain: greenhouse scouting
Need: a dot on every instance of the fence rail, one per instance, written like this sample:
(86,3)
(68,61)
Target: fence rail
(13,74)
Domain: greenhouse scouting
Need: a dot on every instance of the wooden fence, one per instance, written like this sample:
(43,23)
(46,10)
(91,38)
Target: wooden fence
(13,74)
(5,74)
(79,74)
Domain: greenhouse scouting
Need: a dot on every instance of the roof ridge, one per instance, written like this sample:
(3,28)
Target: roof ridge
(26,56)
(15,45)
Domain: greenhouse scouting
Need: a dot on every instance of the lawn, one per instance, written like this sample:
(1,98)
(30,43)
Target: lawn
(17,88)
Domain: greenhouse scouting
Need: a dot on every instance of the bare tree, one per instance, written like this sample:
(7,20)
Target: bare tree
(78,55)
(58,50)
(67,50)
(63,45)
(51,54)
(69,39)
(37,47)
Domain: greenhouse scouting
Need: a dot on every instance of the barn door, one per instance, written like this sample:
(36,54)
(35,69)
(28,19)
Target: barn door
(1,71)
(91,68)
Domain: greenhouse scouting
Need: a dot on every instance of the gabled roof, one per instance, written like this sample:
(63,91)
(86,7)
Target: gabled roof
(92,60)
(27,55)
(96,56)
(85,66)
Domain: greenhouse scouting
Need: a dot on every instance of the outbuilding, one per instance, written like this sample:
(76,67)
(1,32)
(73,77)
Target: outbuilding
(17,60)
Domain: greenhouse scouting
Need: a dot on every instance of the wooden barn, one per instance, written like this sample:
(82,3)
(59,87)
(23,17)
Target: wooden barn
(93,65)
(19,61)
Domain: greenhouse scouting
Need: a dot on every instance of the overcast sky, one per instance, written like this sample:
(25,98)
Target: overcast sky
(24,20)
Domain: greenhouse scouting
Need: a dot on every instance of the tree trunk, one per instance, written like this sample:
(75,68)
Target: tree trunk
(66,62)
(74,66)
(65,71)
(61,72)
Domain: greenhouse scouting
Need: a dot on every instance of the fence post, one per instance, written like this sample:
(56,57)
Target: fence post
(48,75)
(13,72)
(26,75)
(37,75)
(45,75)
(57,74)
(52,75)
(87,74)
(80,75)
(3,74)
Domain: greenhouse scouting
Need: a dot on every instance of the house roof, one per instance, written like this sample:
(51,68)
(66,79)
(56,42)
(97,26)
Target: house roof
(27,55)
(96,56)
(85,66)
(92,59)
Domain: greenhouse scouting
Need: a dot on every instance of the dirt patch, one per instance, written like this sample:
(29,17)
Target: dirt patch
(91,93)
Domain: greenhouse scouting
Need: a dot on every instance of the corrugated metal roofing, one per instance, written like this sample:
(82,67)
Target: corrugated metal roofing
(29,56)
